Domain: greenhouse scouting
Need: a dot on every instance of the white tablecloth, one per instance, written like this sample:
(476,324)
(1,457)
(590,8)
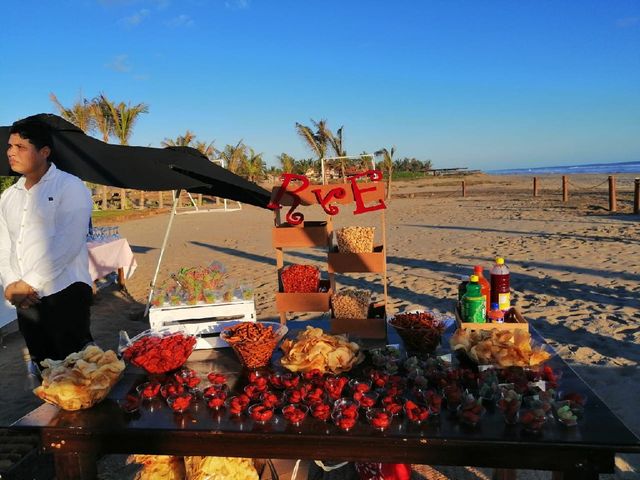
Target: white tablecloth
(108,257)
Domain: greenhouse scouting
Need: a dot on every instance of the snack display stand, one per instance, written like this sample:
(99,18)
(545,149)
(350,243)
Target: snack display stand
(77,439)
(206,321)
(318,234)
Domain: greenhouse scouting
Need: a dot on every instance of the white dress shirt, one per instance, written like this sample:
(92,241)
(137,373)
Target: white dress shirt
(43,232)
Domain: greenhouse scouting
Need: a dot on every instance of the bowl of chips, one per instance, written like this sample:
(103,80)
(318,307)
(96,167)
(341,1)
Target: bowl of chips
(420,331)
(254,342)
(81,380)
(315,350)
(502,348)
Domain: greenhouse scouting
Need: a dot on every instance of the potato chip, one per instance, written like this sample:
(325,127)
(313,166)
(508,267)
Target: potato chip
(313,349)
(504,348)
(81,380)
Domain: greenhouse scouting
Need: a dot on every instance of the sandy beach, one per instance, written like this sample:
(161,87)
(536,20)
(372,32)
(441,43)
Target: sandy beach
(575,271)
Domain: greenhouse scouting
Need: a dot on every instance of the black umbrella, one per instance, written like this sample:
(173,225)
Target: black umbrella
(140,168)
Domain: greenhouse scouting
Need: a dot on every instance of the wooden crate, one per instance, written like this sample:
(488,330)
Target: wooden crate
(308,234)
(305,302)
(206,320)
(358,262)
(374,326)
(521,323)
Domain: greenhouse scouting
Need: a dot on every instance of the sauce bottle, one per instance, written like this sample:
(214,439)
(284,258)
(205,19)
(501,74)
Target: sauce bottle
(485,287)
(473,307)
(500,287)
(495,315)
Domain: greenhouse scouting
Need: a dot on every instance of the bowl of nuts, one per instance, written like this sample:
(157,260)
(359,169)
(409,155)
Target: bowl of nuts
(351,303)
(355,239)
(421,331)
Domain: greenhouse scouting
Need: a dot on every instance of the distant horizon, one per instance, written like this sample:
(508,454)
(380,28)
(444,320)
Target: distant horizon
(483,85)
(600,167)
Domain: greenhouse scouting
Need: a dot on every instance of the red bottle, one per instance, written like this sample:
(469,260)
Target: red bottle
(485,288)
(500,285)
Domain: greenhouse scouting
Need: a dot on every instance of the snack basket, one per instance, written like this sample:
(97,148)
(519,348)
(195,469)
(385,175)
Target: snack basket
(145,350)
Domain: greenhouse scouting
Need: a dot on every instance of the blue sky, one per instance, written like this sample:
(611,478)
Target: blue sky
(483,84)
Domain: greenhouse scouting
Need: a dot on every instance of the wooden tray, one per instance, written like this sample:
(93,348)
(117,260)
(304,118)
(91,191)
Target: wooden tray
(357,262)
(521,323)
(374,326)
(308,234)
(305,302)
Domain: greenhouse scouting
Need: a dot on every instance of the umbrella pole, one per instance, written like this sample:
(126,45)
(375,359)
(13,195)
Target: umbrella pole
(176,198)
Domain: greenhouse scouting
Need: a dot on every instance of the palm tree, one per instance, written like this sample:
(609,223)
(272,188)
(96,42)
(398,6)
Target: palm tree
(336,143)
(253,166)
(102,119)
(316,141)
(124,118)
(287,162)
(387,165)
(207,149)
(79,114)
(181,140)
(234,156)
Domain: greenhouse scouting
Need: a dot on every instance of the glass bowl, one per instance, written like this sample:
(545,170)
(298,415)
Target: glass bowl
(254,351)
(420,331)
(344,421)
(179,403)
(260,413)
(295,413)
(149,350)
(379,418)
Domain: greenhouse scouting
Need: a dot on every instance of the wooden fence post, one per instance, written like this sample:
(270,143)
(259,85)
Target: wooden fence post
(535,186)
(123,199)
(613,202)
(636,196)
(464,189)
(142,199)
(160,204)
(199,199)
(565,188)
(105,200)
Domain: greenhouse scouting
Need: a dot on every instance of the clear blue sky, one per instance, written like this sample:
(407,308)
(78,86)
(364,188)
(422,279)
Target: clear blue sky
(477,83)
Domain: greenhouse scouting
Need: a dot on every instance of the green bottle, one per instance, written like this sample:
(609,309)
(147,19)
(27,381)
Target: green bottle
(474,308)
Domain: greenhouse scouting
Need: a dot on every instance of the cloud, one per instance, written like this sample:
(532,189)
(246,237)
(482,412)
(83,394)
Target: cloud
(628,22)
(237,4)
(120,63)
(134,19)
(181,21)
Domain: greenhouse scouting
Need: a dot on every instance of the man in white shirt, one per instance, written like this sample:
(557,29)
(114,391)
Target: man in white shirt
(43,253)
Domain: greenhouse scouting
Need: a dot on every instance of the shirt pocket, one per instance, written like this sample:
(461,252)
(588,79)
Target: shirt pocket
(44,219)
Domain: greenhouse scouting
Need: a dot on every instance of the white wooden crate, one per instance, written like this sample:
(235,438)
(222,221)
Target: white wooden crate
(206,321)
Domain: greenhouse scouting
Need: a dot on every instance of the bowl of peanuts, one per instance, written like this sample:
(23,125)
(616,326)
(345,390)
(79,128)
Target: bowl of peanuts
(254,342)
(421,331)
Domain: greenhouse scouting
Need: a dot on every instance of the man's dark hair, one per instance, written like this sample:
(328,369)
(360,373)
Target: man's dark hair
(36,132)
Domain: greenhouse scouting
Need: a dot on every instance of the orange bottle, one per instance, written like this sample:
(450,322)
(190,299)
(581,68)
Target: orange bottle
(485,286)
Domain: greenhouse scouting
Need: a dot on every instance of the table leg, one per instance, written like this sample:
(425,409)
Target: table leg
(121,277)
(75,466)
(504,474)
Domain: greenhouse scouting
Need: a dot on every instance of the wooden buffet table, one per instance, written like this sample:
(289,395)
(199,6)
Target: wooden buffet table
(77,438)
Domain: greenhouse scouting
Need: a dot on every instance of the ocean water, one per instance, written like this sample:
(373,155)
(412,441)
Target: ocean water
(608,168)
